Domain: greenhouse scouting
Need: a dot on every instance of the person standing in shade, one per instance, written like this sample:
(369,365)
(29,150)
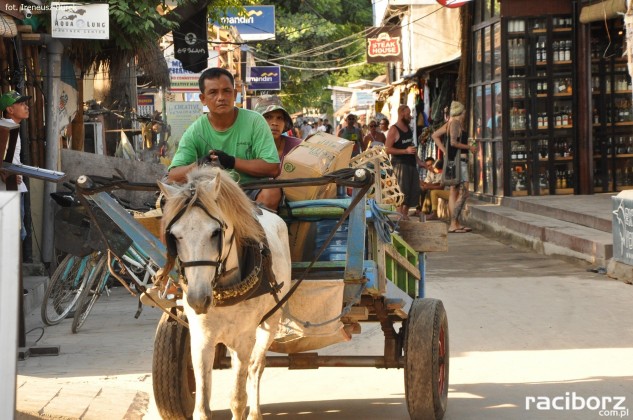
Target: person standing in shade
(278,120)
(458,143)
(383,125)
(374,137)
(15,109)
(399,145)
(351,132)
(236,138)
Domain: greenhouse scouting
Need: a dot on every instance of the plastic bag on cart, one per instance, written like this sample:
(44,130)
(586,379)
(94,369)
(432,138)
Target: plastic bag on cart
(310,318)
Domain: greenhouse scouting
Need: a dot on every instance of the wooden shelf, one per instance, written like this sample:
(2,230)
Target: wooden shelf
(561,30)
(618,124)
(541,63)
(620,156)
(563,94)
(620,91)
(521,193)
(558,63)
(541,95)
(563,191)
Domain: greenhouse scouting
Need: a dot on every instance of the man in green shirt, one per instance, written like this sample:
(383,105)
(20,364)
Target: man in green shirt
(237,139)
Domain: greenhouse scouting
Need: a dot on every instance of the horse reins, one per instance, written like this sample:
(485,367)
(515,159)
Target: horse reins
(344,216)
(220,263)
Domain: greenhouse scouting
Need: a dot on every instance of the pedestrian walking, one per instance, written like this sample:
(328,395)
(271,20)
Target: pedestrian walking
(352,133)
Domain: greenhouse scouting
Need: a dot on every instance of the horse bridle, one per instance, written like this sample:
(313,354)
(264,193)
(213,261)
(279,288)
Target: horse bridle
(172,249)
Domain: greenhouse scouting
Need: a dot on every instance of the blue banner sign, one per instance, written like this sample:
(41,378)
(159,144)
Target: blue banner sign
(264,78)
(257,23)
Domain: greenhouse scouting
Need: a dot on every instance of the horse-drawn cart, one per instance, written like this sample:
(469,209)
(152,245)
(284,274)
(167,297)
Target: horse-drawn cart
(352,270)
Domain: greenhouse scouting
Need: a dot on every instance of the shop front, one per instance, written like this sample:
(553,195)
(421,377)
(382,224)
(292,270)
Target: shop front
(550,100)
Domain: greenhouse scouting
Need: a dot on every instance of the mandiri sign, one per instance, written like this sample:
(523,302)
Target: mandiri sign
(384,44)
(78,20)
(256,23)
(264,78)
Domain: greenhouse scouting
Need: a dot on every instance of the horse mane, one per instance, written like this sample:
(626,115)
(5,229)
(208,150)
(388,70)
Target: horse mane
(230,203)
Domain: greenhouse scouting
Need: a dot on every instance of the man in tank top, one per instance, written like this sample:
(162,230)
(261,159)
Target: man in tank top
(402,149)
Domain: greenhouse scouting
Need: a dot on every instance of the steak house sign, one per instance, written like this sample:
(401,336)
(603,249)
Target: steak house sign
(383,44)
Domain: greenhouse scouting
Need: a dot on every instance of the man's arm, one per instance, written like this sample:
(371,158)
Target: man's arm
(437,137)
(257,167)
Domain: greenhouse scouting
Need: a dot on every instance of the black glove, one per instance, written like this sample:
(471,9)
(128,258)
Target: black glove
(226,160)
(205,160)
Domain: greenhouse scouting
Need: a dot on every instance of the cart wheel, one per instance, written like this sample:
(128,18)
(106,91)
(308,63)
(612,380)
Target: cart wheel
(426,356)
(172,372)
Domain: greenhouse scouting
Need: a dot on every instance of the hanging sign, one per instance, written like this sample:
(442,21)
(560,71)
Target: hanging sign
(453,4)
(264,78)
(85,21)
(256,23)
(190,42)
(384,44)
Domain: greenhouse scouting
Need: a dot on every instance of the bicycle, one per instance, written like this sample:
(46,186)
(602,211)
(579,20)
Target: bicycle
(64,288)
(70,277)
(136,262)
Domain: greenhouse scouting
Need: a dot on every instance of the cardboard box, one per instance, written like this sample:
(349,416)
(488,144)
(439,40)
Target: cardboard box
(318,155)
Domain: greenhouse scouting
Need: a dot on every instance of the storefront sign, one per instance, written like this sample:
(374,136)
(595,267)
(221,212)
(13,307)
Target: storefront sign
(623,227)
(180,115)
(76,20)
(384,44)
(182,80)
(264,78)
(256,23)
(190,45)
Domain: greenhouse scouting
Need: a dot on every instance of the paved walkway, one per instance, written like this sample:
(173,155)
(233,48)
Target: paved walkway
(520,324)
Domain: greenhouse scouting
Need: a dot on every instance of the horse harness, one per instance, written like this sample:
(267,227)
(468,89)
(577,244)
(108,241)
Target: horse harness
(256,260)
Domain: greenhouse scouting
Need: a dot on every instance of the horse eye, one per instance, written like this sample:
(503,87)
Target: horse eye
(215,233)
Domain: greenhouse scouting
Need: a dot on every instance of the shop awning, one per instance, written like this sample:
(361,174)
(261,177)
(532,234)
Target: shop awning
(607,9)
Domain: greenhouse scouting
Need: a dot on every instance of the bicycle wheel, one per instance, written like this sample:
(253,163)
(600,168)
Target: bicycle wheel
(63,289)
(94,287)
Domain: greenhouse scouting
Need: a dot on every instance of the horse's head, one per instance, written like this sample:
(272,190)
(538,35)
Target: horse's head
(205,221)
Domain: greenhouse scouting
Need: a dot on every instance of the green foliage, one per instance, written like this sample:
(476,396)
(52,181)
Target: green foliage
(325,36)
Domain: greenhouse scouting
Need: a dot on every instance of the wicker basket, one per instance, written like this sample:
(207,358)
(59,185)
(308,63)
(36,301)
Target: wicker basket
(390,191)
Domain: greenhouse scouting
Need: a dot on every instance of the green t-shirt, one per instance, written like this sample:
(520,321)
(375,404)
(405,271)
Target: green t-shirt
(248,138)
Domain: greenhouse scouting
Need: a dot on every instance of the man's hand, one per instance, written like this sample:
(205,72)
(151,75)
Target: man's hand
(226,160)
(205,160)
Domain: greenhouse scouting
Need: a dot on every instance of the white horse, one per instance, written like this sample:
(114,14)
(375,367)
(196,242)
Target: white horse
(207,222)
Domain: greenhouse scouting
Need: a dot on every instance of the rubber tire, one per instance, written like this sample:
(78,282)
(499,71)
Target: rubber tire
(58,284)
(426,359)
(90,293)
(172,371)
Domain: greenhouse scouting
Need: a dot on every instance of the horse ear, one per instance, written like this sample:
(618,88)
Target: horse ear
(217,181)
(168,190)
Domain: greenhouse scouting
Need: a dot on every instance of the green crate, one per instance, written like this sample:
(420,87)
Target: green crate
(394,270)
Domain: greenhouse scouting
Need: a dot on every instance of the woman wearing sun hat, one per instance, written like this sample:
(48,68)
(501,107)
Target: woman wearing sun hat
(458,143)
(279,122)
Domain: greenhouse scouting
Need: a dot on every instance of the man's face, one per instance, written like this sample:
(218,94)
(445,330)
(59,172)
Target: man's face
(276,121)
(350,121)
(429,166)
(18,112)
(405,116)
(219,95)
